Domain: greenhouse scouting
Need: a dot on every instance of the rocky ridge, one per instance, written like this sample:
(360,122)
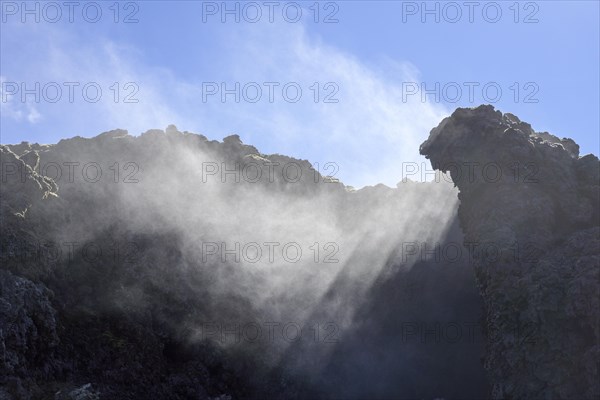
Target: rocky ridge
(536,202)
(124,324)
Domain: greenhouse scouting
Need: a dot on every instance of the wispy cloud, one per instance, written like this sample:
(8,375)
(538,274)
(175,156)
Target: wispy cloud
(369,132)
(16,109)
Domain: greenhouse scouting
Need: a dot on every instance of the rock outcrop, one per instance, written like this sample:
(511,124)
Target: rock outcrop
(529,209)
(108,290)
(105,290)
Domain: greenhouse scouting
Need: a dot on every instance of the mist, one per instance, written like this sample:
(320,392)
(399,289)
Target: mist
(284,232)
(258,254)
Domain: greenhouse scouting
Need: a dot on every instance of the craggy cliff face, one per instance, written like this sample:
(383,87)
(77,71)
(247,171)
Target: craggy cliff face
(529,210)
(168,266)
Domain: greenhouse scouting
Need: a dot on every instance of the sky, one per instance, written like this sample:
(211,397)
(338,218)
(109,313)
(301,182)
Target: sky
(356,83)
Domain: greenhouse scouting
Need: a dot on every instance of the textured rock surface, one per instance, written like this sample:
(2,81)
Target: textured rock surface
(124,324)
(529,209)
(28,332)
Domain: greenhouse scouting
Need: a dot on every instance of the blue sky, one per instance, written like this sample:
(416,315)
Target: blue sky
(360,77)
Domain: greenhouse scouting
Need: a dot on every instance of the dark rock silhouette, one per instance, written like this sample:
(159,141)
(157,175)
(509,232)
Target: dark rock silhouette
(103,286)
(534,202)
